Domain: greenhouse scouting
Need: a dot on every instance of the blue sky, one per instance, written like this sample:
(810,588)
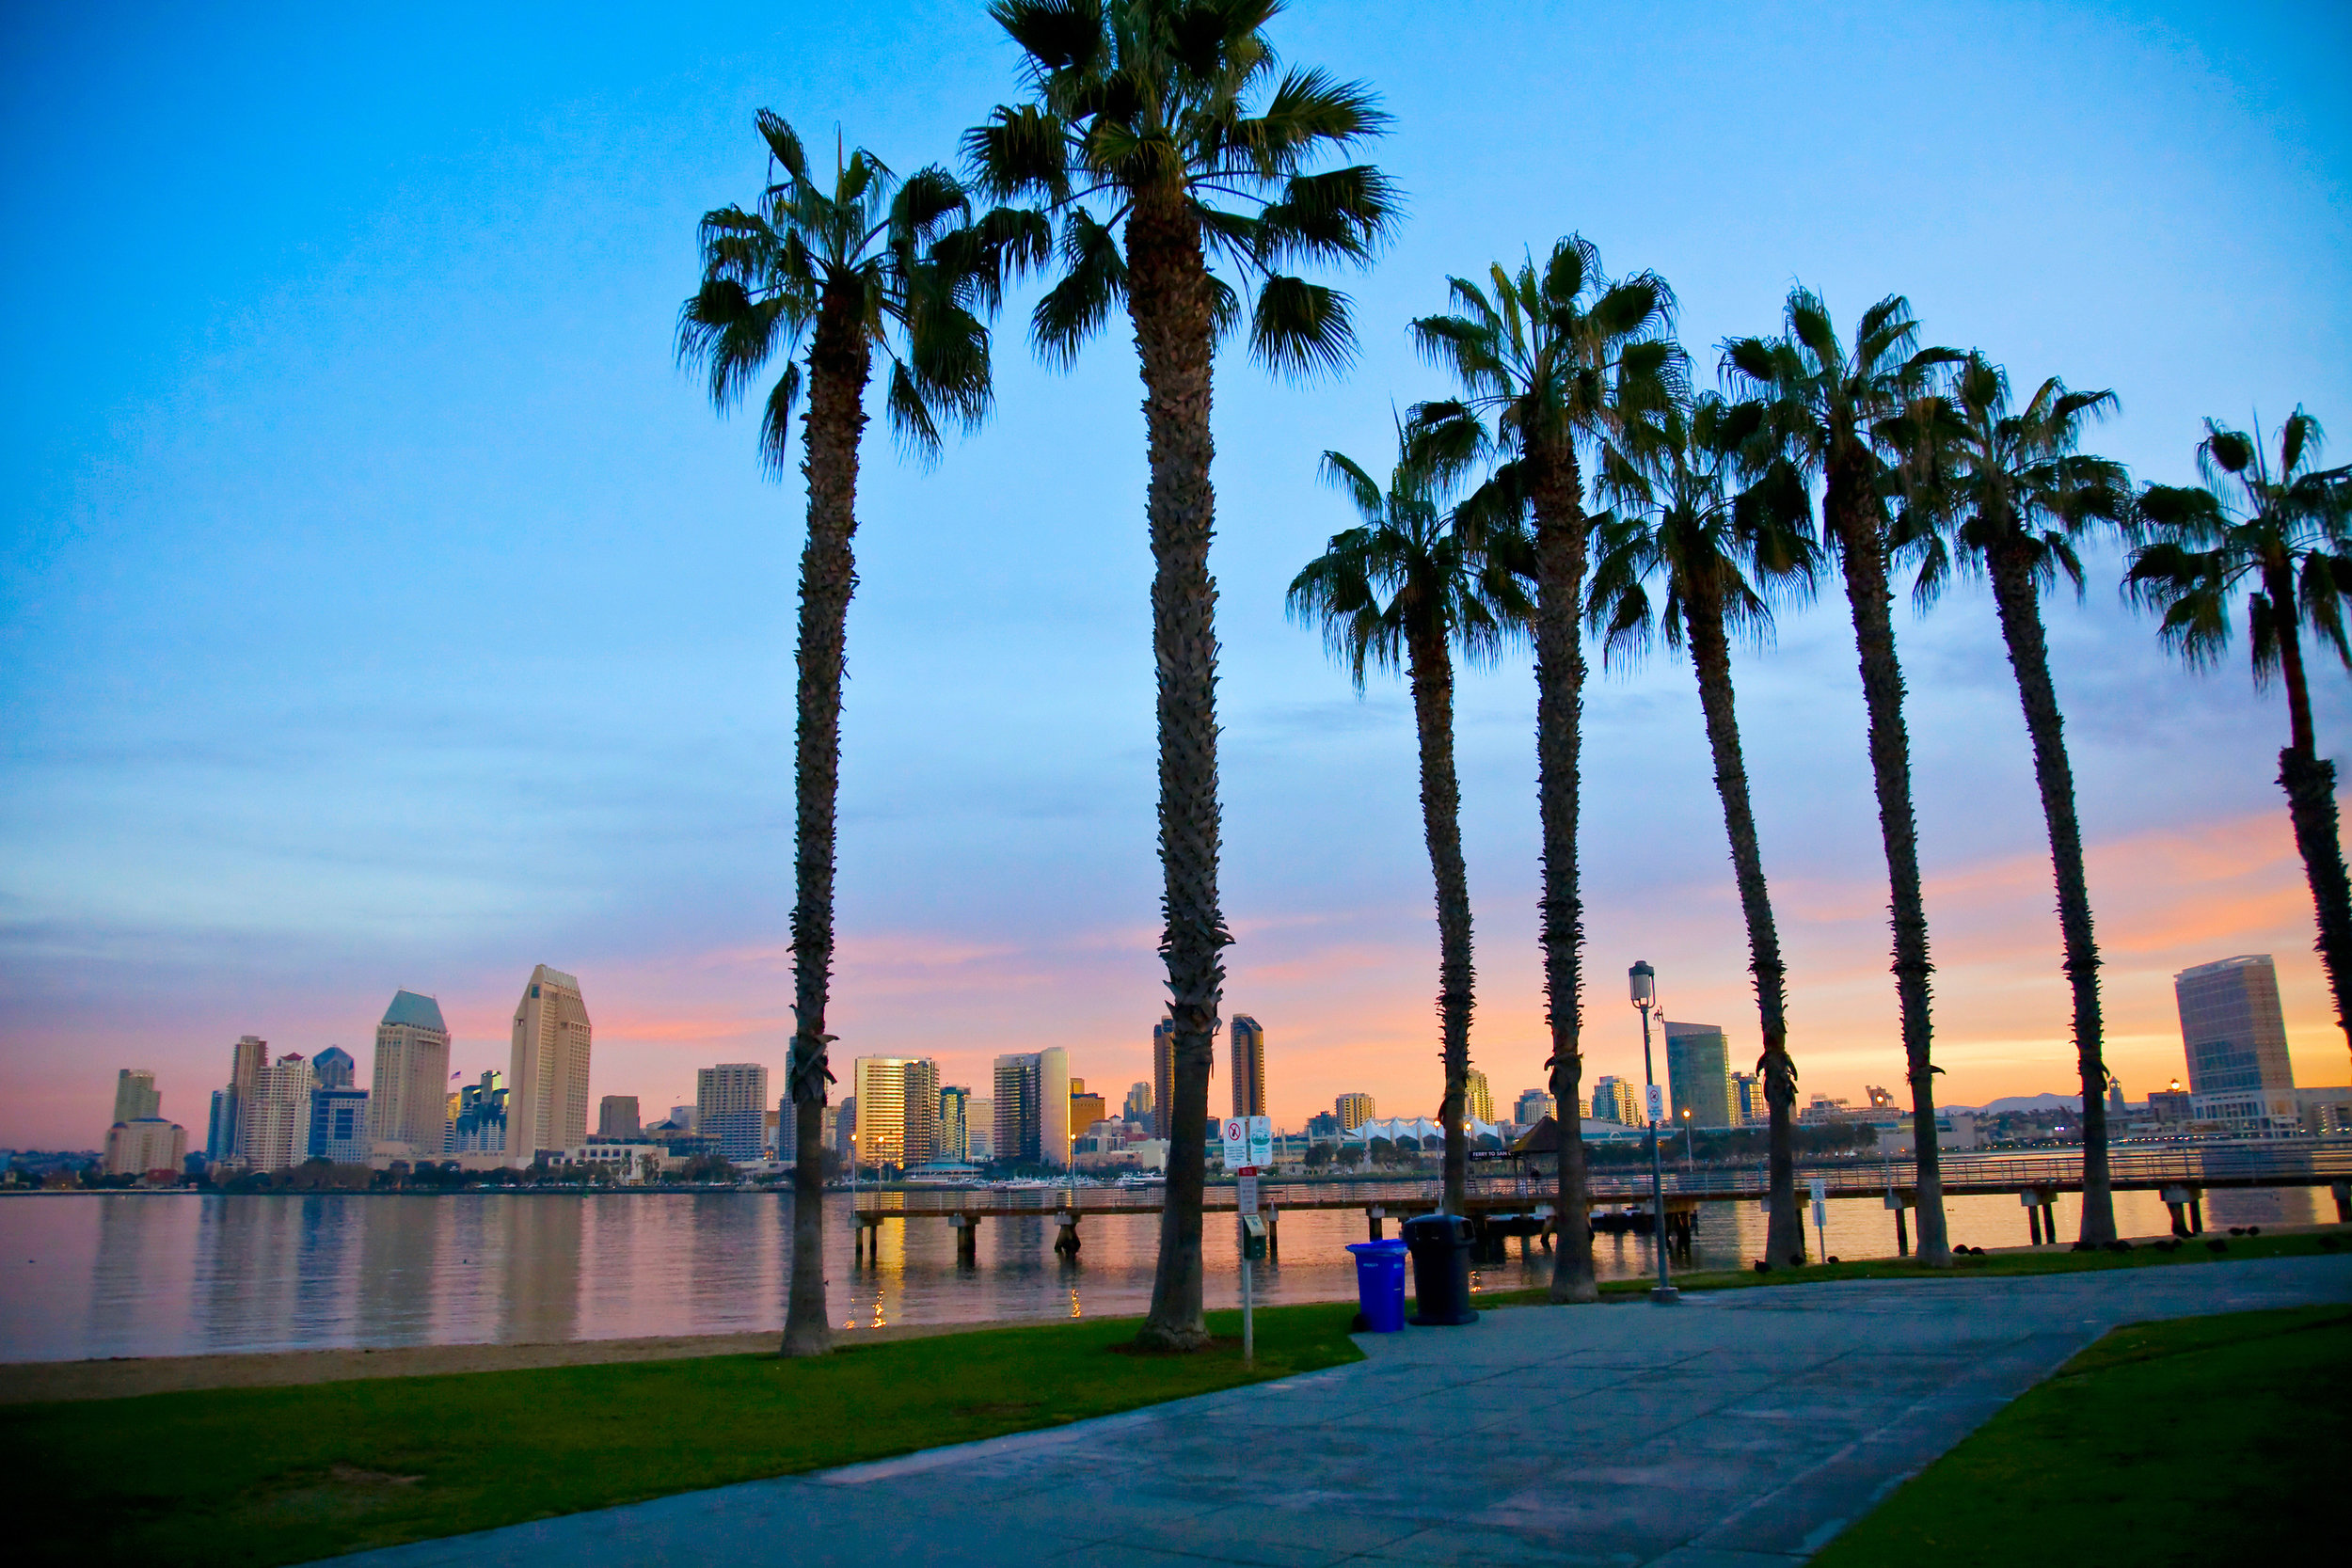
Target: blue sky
(382,608)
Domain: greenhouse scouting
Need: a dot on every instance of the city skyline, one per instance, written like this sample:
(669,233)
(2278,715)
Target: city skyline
(209,836)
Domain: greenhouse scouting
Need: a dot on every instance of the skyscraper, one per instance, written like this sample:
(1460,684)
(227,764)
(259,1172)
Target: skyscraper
(276,1115)
(1698,1074)
(2235,1034)
(1033,1106)
(1354,1110)
(409,1094)
(1248,1064)
(334,1069)
(731,1105)
(979,1130)
(898,1110)
(1533,1106)
(1138,1105)
(1619,1101)
(339,1123)
(1747,1099)
(1478,1100)
(955,1108)
(547,1081)
(142,1143)
(136,1096)
(1085,1109)
(616,1118)
(244,1059)
(1163,1075)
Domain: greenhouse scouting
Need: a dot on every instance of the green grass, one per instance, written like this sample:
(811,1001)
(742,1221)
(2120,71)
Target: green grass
(2200,1441)
(255,1476)
(1993,1265)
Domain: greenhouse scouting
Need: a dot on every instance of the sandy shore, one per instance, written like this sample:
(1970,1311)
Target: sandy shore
(26,1382)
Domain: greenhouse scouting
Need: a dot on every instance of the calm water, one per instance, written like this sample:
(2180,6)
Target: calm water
(105,1275)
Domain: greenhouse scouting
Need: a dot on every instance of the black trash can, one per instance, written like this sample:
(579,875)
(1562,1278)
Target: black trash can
(1440,1245)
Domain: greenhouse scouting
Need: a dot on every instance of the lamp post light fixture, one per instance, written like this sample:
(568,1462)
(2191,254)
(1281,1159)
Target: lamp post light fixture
(1690,1155)
(1644,984)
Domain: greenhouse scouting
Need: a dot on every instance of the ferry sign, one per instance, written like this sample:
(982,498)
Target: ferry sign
(1261,1142)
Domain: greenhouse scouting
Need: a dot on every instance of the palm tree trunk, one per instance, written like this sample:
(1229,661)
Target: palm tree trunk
(2020,607)
(838,367)
(1556,491)
(1710,656)
(1167,299)
(1856,516)
(1442,827)
(2310,786)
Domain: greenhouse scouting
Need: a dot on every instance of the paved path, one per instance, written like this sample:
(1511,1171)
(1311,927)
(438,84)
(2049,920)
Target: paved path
(1734,1430)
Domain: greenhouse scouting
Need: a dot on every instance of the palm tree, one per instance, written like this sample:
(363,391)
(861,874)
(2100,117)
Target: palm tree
(1406,587)
(2011,491)
(1823,406)
(1557,357)
(1723,553)
(875,265)
(1138,137)
(2284,534)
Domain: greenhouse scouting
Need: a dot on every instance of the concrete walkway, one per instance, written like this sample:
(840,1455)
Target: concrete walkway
(1743,1428)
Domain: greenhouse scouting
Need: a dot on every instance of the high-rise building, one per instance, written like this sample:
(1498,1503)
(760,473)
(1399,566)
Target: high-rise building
(1138,1105)
(1033,1106)
(979,1130)
(407,1094)
(334,1069)
(731,1105)
(277,1117)
(1619,1099)
(477,1120)
(955,1107)
(2235,1034)
(616,1118)
(1478,1100)
(1085,1109)
(142,1145)
(244,1059)
(1354,1110)
(898,1110)
(1747,1100)
(1163,1076)
(1249,1063)
(787,1139)
(842,1127)
(1533,1106)
(339,1123)
(547,1079)
(2117,1106)
(220,1140)
(136,1096)
(1698,1074)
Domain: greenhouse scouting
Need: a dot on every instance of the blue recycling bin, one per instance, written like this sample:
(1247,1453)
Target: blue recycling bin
(1380,1284)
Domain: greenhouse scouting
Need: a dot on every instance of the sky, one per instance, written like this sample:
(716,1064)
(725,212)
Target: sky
(381,606)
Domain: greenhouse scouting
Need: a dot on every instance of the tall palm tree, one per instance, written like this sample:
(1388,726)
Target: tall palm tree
(1724,552)
(1407,586)
(2283,533)
(1556,360)
(1141,137)
(824,280)
(2011,493)
(1823,406)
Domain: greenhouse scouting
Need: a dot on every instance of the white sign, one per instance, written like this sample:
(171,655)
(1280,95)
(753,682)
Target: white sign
(1248,1200)
(1261,1141)
(1236,1142)
(1820,1204)
(1657,1102)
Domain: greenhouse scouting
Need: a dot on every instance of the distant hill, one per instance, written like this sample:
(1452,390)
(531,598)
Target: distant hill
(2023,1102)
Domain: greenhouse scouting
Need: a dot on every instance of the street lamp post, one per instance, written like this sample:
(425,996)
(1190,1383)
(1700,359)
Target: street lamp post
(1690,1153)
(1645,985)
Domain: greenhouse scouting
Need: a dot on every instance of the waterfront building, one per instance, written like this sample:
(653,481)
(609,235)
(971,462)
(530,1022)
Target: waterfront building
(1747,1100)
(276,1129)
(547,1077)
(1617,1100)
(1033,1106)
(219,1130)
(1531,1107)
(245,1058)
(1138,1105)
(477,1119)
(339,1123)
(408,1093)
(1478,1100)
(1248,1066)
(731,1106)
(334,1069)
(2116,1106)
(1163,1076)
(955,1139)
(1699,1075)
(979,1130)
(136,1097)
(787,1141)
(686,1119)
(141,1146)
(842,1129)
(616,1118)
(1322,1128)
(2235,1036)
(1354,1110)
(898,1110)
(1085,1109)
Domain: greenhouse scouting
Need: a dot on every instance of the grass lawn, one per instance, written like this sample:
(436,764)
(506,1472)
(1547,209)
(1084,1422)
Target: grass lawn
(255,1476)
(1993,1265)
(2205,1440)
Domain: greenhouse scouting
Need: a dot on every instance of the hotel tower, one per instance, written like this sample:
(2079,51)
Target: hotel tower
(547,1079)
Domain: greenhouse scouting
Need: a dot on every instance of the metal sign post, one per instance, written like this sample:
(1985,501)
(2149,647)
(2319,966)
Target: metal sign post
(1252,1245)
(1821,1214)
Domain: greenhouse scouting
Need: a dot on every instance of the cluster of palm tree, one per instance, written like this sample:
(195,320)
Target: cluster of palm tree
(1162,161)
